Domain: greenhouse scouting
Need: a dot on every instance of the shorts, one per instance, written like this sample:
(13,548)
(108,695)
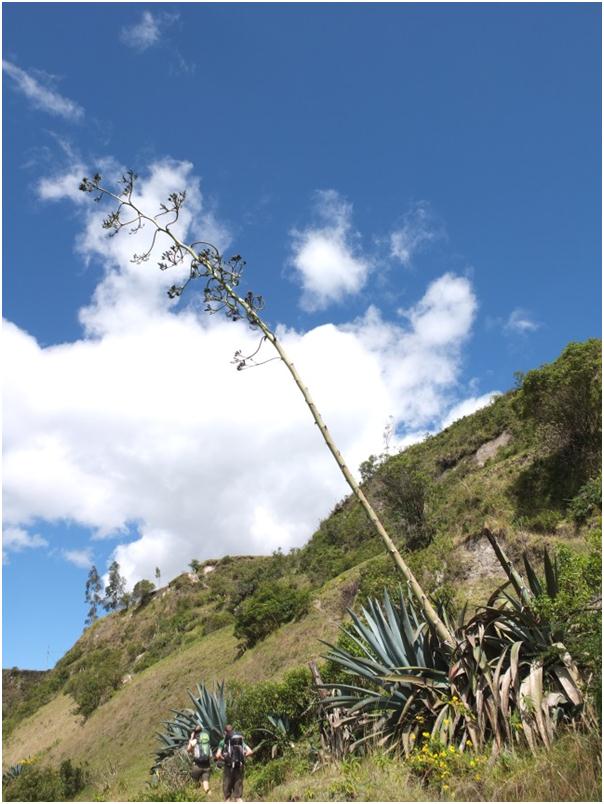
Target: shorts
(232,782)
(200,773)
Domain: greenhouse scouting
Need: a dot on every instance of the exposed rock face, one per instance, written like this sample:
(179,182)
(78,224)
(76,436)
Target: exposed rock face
(481,561)
(491,448)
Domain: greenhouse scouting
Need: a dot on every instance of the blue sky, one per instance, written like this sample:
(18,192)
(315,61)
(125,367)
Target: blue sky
(415,188)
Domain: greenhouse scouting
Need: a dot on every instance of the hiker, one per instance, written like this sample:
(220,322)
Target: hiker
(199,748)
(233,751)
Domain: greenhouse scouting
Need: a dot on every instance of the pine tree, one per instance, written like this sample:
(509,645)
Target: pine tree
(115,590)
(93,595)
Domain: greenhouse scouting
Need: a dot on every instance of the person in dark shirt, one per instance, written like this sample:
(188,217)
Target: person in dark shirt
(233,751)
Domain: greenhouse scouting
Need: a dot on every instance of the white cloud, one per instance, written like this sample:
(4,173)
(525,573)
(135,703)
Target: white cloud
(147,32)
(521,322)
(145,423)
(15,539)
(468,406)
(326,258)
(418,228)
(42,96)
(79,558)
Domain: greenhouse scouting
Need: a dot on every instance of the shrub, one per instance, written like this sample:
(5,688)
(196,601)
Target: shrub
(96,680)
(273,604)
(587,501)
(404,490)
(575,611)
(564,402)
(292,698)
(38,783)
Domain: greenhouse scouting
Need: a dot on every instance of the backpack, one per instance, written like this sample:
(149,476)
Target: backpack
(233,752)
(202,751)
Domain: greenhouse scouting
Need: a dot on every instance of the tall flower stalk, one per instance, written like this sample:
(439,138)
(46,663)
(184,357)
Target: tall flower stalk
(221,280)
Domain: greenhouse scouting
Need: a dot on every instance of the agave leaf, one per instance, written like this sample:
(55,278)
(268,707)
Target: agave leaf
(551,574)
(572,691)
(417,681)
(534,582)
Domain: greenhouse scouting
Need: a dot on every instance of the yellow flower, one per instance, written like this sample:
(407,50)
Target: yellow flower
(477,777)
(469,743)
(412,737)
(445,787)
(425,733)
(446,721)
(472,763)
(454,699)
(452,749)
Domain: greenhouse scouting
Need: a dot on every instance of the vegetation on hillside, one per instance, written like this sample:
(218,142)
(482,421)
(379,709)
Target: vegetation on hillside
(527,463)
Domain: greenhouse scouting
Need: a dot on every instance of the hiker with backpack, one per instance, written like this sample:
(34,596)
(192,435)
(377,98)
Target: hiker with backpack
(233,751)
(199,749)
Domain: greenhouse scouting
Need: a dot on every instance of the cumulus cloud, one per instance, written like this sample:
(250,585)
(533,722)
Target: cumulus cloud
(326,258)
(521,322)
(468,406)
(41,95)
(79,558)
(144,426)
(418,228)
(15,539)
(147,31)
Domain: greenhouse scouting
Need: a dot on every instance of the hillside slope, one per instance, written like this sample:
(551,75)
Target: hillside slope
(509,464)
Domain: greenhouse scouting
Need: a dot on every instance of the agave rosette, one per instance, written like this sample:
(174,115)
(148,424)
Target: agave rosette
(508,675)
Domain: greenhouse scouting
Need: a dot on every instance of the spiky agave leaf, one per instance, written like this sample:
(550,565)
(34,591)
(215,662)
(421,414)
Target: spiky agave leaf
(209,711)
(507,664)
(402,655)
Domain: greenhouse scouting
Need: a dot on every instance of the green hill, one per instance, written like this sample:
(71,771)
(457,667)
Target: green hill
(528,464)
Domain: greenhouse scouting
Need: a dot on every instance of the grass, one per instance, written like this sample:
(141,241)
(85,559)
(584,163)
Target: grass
(569,771)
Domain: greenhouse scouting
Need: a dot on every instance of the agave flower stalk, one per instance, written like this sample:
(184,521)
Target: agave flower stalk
(222,277)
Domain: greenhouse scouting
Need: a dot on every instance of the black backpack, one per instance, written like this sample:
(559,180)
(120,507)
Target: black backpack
(233,752)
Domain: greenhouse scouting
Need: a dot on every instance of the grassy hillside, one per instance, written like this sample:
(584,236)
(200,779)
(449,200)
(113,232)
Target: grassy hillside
(528,464)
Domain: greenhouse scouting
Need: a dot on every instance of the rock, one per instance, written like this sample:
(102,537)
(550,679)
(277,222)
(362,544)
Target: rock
(491,448)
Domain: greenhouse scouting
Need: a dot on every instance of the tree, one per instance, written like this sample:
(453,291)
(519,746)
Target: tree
(222,277)
(115,589)
(157,574)
(142,592)
(195,565)
(93,595)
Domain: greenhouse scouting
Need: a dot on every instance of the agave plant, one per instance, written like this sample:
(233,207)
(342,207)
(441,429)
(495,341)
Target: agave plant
(281,734)
(508,673)
(209,711)
(12,773)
